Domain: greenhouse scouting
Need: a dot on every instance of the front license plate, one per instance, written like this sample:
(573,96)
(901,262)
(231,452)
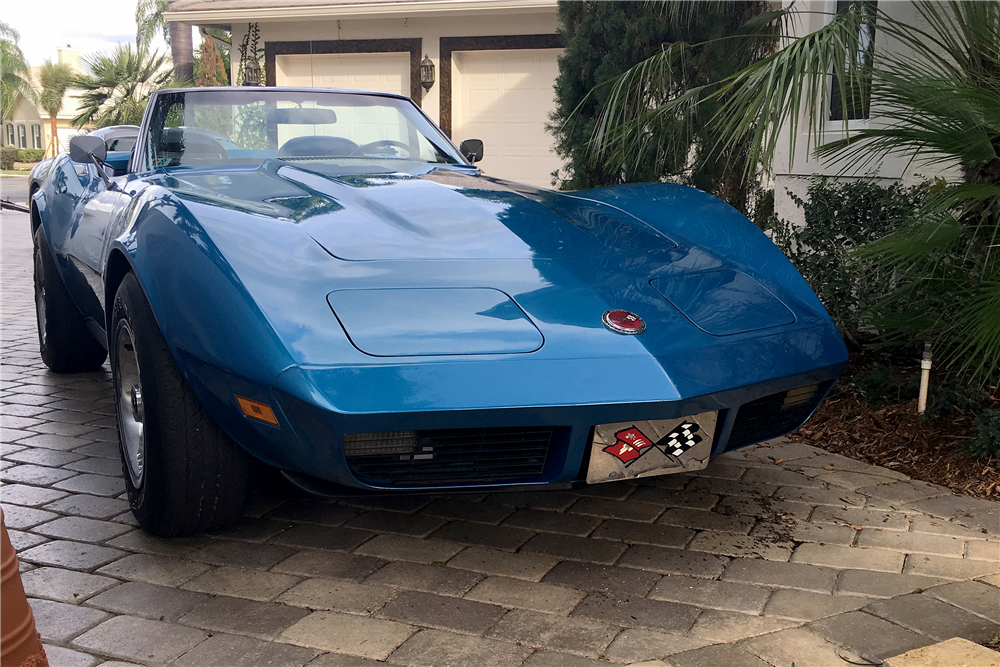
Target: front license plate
(626,450)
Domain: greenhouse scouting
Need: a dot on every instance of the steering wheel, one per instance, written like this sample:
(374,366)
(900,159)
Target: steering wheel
(386,143)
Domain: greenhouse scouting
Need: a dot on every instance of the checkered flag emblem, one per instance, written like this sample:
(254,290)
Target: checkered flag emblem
(680,439)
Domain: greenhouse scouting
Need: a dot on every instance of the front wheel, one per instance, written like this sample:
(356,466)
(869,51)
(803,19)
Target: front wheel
(183,473)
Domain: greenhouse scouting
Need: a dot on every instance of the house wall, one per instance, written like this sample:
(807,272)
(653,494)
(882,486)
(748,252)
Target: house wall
(794,166)
(25,116)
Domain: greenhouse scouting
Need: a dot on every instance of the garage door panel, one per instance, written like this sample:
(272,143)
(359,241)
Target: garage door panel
(522,99)
(386,72)
(483,103)
(293,70)
(505,98)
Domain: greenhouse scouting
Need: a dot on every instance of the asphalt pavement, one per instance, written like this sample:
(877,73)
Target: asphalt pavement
(15,188)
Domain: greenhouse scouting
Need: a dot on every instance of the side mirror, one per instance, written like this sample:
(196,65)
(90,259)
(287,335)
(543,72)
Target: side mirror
(87,149)
(472,149)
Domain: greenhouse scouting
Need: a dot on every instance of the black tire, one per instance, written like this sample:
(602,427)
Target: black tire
(65,343)
(191,476)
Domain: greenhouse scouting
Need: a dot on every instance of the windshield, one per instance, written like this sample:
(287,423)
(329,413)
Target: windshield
(226,126)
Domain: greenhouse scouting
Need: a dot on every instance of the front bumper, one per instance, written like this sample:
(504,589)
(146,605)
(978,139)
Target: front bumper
(745,416)
(317,406)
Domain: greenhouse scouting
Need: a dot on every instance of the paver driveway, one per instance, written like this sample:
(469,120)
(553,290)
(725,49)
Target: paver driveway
(774,554)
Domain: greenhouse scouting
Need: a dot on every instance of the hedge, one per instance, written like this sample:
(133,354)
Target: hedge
(7,158)
(30,154)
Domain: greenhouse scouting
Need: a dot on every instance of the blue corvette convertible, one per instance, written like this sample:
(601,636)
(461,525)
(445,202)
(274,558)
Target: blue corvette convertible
(321,281)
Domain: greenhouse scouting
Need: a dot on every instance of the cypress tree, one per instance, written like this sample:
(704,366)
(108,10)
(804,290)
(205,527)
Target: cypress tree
(212,70)
(604,39)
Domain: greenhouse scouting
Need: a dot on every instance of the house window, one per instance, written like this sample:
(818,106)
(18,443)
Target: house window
(22,136)
(36,136)
(10,134)
(857,78)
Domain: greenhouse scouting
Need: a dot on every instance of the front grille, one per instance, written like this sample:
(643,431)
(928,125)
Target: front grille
(774,415)
(451,456)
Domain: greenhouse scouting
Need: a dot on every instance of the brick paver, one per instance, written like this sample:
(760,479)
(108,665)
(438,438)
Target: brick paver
(773,553)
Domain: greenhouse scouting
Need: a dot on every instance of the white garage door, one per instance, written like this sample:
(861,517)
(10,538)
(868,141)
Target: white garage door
(504,98)
(387,72)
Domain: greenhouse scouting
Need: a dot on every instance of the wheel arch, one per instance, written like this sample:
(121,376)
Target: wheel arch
(33,204)
(117,268)
(36,218)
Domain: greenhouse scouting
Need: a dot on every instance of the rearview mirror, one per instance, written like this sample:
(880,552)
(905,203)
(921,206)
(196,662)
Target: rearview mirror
(87,149)
(472,149)
(302,116)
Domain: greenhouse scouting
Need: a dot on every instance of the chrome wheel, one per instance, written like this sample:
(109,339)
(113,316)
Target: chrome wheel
(131,412)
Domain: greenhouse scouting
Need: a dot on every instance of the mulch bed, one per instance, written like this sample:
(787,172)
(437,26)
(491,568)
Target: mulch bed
(893,436)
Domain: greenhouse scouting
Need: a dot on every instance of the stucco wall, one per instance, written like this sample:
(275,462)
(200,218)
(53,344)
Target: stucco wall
(792,166)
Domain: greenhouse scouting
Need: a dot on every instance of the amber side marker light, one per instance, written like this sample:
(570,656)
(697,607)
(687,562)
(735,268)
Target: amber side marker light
(262,412)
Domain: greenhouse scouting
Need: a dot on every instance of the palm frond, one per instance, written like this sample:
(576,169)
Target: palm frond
(118,85)
(978,332)
(7,31)
(902,248)
(149,19)
(779,89)
(14,72)
(55,79)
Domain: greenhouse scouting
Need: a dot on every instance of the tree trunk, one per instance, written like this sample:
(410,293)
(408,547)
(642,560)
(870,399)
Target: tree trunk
(55,135)
(182,51)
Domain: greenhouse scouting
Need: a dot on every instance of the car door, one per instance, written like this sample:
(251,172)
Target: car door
(83,207)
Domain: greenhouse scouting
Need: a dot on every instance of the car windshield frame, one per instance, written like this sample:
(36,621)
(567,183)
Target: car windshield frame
(306,101)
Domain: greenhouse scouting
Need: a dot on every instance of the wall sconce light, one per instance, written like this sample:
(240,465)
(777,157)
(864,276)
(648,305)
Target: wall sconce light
(251,73)
(426,73)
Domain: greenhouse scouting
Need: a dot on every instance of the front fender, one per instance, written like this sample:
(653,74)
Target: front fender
(38,173)
(698,219)
(201,306)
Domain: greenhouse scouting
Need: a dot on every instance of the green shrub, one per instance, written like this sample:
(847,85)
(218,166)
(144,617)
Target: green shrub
(30,154)
(883,384)
(763,210)
(839,217)
(7,158)
(987,442)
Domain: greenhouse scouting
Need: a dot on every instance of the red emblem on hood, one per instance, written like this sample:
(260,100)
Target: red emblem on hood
(628,445)
(623,322)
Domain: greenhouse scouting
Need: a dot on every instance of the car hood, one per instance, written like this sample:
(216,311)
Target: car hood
(393,268)
(426,213)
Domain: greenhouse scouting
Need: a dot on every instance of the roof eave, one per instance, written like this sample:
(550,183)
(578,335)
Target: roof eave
(285,13)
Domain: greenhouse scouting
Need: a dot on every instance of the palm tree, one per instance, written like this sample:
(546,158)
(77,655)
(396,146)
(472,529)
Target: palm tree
(118,85)
(149,19)
(14,72)
(936,95)
(55,78)
(182,51)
